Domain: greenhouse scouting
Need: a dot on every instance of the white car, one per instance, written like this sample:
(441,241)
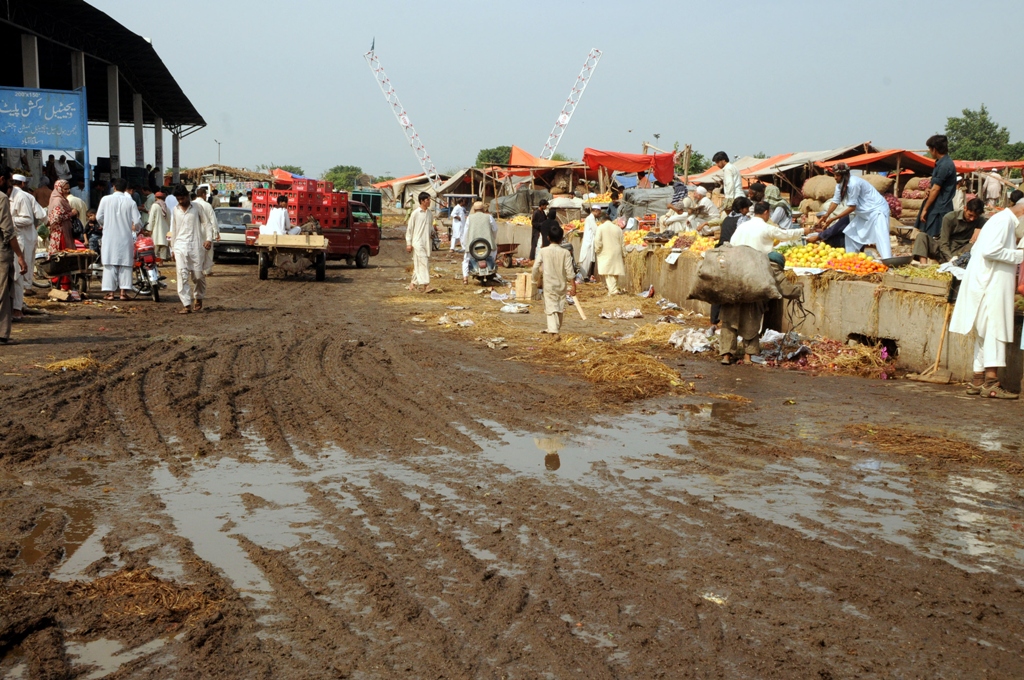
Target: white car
(233,222)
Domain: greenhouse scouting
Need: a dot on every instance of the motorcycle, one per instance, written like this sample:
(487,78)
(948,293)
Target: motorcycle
(145,273)
(482,264)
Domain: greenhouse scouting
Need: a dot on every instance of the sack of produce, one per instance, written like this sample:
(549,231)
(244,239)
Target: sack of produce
(912,184)
(809,205)
(731,275)
(820,188)
(911,204)
(880,183)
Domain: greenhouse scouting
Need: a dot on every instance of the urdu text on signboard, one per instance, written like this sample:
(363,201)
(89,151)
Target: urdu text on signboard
(42,119)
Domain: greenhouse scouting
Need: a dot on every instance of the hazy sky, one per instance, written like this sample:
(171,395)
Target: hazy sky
(287,82)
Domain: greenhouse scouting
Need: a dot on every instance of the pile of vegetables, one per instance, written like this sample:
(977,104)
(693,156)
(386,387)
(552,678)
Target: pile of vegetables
(929,272)
(856,263)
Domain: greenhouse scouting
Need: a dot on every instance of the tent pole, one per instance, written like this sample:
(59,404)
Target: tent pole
(686,163)
(896,182)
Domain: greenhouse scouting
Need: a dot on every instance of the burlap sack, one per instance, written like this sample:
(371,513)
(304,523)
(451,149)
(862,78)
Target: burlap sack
(731,275)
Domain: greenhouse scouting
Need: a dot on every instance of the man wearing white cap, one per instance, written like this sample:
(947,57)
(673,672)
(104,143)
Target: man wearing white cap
(985,301)
(706,208)
(26,213)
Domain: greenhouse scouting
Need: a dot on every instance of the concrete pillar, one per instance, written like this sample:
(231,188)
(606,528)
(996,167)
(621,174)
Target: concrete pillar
(114,121)
(158,148)
(30,61)
(175,159)
(30,77)
(140,149)
(78,81)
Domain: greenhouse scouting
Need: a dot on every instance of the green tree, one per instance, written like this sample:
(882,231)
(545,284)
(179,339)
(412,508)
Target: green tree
(760,154)
(556,156)
(343,176)
(294,169)
(383,178)
(499,155)
(698,161)
(974,136)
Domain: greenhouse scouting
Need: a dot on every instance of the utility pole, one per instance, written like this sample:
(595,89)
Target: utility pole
(571,102)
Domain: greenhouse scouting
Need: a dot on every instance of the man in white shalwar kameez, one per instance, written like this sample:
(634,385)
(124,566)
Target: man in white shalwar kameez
(279,221)
(191,238)
(587,254)
(26,213)
(459,224)
(608,245)
(120,219)
(211,218)
(417,242)
(159,224)
(868,211)
(985,301)
(732,184)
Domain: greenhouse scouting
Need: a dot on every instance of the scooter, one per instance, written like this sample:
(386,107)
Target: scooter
(145,272)
(482,264)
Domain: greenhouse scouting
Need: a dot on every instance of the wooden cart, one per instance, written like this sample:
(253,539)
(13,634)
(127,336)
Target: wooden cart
(292,254)
(74,263)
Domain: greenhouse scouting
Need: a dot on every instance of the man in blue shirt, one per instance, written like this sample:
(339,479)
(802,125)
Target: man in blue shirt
(943,187)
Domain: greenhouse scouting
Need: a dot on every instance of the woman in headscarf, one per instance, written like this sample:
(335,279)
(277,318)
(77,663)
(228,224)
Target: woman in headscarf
(58,219)
(159,224)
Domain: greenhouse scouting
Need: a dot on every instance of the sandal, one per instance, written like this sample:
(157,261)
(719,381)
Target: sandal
(726,359)
(197,306)
(996,391)
(109,296)
(184,310)
(977,382)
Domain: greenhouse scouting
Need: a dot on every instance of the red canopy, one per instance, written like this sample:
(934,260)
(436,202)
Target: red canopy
(663,164)
(915,161)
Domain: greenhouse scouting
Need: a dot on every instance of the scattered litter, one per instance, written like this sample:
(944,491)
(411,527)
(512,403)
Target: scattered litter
(481,291)
(649,293)
(666,304)
(771,336)
(516,308)
(418,319)
(620,314)
(711,597)
(497,343)
(789,402)
(499,296)
(668,318)
(691,340)
(456,308)
(465,324)
(444,320)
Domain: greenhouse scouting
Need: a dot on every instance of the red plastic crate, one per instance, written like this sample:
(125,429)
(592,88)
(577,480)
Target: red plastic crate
(259,195)
(304,185)
(325,187)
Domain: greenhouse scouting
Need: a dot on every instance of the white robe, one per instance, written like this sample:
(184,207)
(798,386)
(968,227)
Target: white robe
(211,220)
(417,235)
(159,223)
(119,217)
(190,230)
(869,223)
(608,244)
(761,236)
(458,224)
(587,244)
(26,213)
(985,301)
(732,187)
(279,222)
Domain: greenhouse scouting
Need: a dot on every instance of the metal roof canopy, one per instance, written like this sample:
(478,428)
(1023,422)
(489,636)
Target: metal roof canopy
(64,26)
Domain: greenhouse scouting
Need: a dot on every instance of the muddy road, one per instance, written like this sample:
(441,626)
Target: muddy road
(316,480)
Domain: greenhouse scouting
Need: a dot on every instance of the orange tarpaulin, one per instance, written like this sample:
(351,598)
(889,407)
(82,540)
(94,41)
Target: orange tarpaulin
(397,180)
(525,159)
(663,164)
(909,159)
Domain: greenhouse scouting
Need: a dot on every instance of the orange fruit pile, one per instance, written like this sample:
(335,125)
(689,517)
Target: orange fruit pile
(856,263)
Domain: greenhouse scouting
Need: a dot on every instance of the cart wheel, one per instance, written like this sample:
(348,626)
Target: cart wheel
(321,266)
(363,257)
(264,266)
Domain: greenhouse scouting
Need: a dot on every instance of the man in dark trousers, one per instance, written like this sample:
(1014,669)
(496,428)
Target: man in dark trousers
(943,187)
(539,232)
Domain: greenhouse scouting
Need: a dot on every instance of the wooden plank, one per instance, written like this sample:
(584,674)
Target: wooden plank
(915,285)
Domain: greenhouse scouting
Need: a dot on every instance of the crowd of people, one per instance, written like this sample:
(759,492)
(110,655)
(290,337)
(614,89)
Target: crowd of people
(107,221)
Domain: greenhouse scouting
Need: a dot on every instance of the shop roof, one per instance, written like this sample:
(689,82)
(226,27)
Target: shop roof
(63,26)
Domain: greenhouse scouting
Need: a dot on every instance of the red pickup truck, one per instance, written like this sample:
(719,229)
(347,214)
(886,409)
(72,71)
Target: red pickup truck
(351,230)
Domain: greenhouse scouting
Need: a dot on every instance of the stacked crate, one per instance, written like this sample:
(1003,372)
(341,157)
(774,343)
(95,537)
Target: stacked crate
(306,198)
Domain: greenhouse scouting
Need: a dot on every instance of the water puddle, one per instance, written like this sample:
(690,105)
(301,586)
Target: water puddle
(105,656)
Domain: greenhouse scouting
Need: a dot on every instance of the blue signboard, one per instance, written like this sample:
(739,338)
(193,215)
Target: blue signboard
(43,119)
